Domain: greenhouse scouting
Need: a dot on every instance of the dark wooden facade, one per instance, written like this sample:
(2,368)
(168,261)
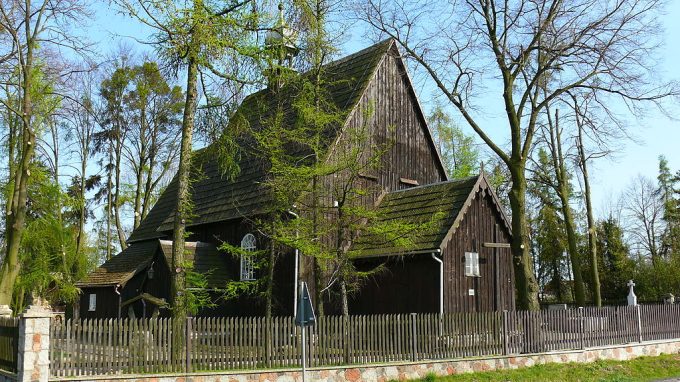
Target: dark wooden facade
(495,288)
(384,102)
(411,283)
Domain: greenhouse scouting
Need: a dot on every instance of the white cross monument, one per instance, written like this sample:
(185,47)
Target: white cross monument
(632,298)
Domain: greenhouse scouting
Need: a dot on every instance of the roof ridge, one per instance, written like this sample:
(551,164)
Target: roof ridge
(387,42)
(457,180)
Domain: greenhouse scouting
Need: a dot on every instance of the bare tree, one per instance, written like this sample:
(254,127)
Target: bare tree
(553,138)
(530,53)
(644,215)
(80,119)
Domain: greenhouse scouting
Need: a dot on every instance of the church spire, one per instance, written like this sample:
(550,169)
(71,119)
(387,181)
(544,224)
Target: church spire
(280,41)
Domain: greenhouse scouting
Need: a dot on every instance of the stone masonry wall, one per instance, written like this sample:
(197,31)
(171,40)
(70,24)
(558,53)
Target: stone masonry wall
(34,344)
(406,371)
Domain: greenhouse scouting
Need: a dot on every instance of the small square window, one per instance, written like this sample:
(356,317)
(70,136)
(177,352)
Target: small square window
(472,264)
(93,303)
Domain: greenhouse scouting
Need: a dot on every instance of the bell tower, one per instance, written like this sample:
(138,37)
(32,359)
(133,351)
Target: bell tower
(281,49)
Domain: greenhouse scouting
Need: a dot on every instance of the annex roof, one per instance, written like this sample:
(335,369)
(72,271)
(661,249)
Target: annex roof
(434,210)
(122,267)
(138,256)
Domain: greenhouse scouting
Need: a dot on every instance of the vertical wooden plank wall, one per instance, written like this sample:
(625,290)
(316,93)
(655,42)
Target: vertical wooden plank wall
(494,289)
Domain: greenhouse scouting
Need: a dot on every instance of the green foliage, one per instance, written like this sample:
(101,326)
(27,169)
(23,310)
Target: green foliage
(615,265)
(668,192)
(458,150)
(50,264)
(548,234)
(197,293)
(237,288)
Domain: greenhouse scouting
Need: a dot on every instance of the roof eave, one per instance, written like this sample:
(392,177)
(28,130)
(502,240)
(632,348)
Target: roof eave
(407,253)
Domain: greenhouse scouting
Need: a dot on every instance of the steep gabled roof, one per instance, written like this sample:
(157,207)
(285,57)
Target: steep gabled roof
(217,197)
(435,210)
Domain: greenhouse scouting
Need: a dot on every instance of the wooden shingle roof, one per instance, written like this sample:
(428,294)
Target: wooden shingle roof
(435,209)
(138,256)
(122,267)
(219,198)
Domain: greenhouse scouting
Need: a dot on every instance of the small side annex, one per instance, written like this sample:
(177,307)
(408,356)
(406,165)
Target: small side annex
(469,246)
(136,282)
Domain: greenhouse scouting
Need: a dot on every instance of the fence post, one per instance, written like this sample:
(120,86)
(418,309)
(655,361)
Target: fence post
(414,346)
(506,346)
(581,327)
(187,353)
(33,361)
(639,322)
(5,311)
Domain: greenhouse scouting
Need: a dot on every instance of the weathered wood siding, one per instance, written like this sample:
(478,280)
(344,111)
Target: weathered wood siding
(495,288)
(107,303)
(389,111)
(232,232)
(407,284)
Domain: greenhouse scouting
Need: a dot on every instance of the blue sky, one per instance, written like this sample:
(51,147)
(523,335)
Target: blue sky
(657,134)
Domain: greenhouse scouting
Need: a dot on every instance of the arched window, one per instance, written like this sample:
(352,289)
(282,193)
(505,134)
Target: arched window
(248,244)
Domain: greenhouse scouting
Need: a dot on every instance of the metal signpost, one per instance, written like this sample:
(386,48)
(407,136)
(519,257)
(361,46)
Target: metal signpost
(304,316)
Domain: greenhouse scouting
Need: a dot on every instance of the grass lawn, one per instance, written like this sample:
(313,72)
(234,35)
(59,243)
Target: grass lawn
(639,369)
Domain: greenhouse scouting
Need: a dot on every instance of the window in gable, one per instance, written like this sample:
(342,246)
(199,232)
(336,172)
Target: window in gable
(248,244)
(472,264)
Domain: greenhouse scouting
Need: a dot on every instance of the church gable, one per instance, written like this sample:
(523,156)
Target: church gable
(390,109)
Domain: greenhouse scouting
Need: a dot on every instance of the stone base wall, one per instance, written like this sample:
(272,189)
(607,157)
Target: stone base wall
(406,371)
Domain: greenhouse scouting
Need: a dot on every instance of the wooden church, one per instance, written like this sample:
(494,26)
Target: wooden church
(462,263)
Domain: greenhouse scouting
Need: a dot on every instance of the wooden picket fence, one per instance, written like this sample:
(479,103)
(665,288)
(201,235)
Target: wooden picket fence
(105,347)
(9,343)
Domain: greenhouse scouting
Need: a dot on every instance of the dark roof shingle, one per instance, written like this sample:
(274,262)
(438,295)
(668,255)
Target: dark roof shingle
(135,258)
(217,197)
(122,267)
(431,208)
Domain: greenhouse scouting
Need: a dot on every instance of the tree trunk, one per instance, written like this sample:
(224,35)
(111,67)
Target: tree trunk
(345,321)
(564,195)
(17,219)
(592,230)
(80,236)
(116,197)
(109,207)
(269,304)
(579,288)
(526,285)
(182,210)
(139,187)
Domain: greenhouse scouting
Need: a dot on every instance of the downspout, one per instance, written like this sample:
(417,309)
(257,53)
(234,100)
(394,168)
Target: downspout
(441,281)
(296,275)
(115,289)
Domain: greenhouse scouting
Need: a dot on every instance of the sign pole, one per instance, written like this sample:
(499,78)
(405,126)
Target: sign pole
(304,358)
(304,317)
